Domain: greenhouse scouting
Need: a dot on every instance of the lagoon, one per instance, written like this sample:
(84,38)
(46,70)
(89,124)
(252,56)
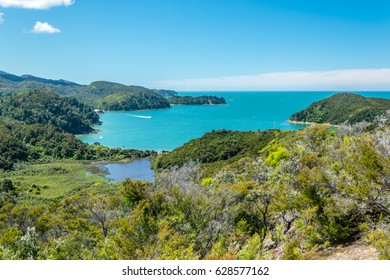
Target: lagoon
(170,128)
(135,170)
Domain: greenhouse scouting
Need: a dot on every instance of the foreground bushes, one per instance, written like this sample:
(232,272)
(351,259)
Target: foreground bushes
(304,192)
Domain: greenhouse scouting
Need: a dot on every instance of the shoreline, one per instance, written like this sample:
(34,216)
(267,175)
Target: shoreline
(311,123)
(173,104)
(95,131)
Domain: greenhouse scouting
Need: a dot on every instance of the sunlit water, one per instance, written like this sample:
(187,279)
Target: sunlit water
(169,128)
(135,170)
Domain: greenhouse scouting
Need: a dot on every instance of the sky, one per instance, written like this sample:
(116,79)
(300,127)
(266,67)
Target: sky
(201,44)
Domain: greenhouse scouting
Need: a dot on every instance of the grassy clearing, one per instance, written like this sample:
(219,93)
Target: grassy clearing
(41,182)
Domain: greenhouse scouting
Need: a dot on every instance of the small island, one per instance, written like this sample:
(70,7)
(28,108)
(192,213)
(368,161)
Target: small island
(342,108)
(198,100)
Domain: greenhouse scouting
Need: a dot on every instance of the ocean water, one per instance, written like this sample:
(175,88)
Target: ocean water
(170,128)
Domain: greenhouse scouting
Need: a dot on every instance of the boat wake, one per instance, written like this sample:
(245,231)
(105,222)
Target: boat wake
(141,117)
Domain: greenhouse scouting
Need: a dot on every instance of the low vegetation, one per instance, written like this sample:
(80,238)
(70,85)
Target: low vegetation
(54,179)
(303,193)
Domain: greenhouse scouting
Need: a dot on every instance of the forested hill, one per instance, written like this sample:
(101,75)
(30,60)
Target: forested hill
(166,92)
(198,100)
(118,97)
(343,107)
(104,95)
(21,142)
(44,107)
(11,84)
(100,94)
(217,148)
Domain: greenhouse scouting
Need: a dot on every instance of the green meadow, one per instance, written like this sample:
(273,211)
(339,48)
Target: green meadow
(54,180)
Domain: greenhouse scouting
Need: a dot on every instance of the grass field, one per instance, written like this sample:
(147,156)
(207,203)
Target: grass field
(47,181)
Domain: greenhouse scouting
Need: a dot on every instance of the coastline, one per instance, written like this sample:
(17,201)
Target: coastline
(95,131)
(311,123)
(173,104)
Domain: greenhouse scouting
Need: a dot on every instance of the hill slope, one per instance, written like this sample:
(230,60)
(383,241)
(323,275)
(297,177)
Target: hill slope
(118,97)
(100,94)
(217,148)
(198,100)
(44,107)
(343,107)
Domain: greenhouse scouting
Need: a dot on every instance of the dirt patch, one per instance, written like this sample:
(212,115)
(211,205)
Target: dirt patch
(359,250)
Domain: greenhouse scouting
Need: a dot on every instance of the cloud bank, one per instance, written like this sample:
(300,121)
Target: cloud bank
(44,28)
(1,18)
(349,79)
(35,4)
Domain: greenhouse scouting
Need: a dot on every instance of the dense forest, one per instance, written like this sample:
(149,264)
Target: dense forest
(12,84)
(227,195)
(21,142)
(45,107)
(217,148)
(166,92)
(98,95)
(130,102)
(343,107)
(39,124)
(198,100)
(103,95)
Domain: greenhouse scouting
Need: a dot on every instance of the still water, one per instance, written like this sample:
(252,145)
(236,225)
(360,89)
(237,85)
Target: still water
(135,170)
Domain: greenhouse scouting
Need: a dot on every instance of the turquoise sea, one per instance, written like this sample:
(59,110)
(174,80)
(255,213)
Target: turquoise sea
(170,128)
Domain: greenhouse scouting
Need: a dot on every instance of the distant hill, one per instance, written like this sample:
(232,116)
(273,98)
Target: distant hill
(166,92)
(104,95)
(343,107)
(198,100)
(101,94)
(47,81)
(11,84)
(117,97)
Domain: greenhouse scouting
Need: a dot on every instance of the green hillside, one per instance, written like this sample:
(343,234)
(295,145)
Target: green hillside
(21,142)
(99,95)
(343,107)
(198,100)
(44,107)
(218,148)
(104,95)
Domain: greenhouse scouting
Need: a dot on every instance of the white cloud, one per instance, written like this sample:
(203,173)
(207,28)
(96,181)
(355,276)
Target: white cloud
(44,27)
(1,18)
(35,4)
(350,79)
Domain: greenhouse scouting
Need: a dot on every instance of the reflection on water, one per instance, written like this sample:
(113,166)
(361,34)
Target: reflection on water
(135,170)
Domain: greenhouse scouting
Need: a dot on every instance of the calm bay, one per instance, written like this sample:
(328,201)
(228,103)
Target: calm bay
(170,128)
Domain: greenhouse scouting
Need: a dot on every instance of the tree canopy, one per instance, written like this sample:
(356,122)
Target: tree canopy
(45,107)
(343,107)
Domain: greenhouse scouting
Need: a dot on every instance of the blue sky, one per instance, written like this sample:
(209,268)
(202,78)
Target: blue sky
(201,44)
